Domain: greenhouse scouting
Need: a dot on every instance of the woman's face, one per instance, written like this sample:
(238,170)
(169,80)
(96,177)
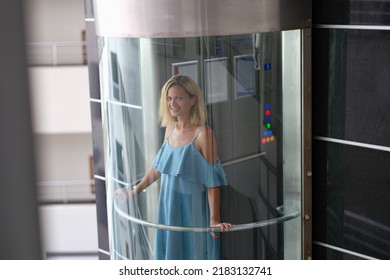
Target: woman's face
(179,102)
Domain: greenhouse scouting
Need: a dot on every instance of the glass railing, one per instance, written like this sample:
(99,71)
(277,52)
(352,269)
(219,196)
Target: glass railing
(56,53)
(66,191)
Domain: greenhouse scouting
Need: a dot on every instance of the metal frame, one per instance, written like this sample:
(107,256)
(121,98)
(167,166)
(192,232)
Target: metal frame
(306,146)
(191,18)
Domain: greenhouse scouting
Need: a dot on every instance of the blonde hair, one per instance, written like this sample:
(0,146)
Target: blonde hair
(198,113)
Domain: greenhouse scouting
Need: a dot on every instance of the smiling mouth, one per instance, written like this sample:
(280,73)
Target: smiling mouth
(174,109)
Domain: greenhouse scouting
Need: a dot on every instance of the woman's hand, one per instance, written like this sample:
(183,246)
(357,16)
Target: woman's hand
(123,194)
(215,216)
(224,228)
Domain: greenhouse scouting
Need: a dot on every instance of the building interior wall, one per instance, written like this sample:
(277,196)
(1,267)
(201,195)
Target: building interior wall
(351,159)
(42,15)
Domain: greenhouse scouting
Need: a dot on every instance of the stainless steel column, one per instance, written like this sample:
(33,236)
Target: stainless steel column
(19,229)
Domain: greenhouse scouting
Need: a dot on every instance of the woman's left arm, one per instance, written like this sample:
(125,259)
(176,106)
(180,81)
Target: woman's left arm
(206,143)
(214,197)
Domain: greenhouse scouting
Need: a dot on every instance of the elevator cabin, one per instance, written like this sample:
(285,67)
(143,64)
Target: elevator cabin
(251,60)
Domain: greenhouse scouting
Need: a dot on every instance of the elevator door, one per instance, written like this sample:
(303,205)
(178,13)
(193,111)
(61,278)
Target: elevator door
(252,86)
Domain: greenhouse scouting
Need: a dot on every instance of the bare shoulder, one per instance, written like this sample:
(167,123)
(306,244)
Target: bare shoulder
(206,143)
(206,134)
(168,130)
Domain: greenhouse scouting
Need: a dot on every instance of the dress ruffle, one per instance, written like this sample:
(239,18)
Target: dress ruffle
(188,163)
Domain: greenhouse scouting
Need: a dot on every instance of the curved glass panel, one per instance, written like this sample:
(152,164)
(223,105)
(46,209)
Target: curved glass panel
(251,85)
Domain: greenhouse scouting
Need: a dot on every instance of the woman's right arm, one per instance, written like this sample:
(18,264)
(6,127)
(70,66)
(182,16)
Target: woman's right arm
(150,177)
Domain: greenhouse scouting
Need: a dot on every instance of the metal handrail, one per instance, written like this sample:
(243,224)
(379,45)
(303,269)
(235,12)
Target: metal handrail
(239,160)
(237,227)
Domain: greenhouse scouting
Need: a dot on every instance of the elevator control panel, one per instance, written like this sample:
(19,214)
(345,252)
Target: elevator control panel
(268,135)
(267,132)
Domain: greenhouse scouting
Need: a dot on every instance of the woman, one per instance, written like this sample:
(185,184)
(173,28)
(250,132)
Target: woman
(190,173)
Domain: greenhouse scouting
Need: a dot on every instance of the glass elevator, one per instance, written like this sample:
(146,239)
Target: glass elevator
(251,60)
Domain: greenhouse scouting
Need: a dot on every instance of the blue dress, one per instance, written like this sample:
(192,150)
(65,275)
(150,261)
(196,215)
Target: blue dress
(183,201)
